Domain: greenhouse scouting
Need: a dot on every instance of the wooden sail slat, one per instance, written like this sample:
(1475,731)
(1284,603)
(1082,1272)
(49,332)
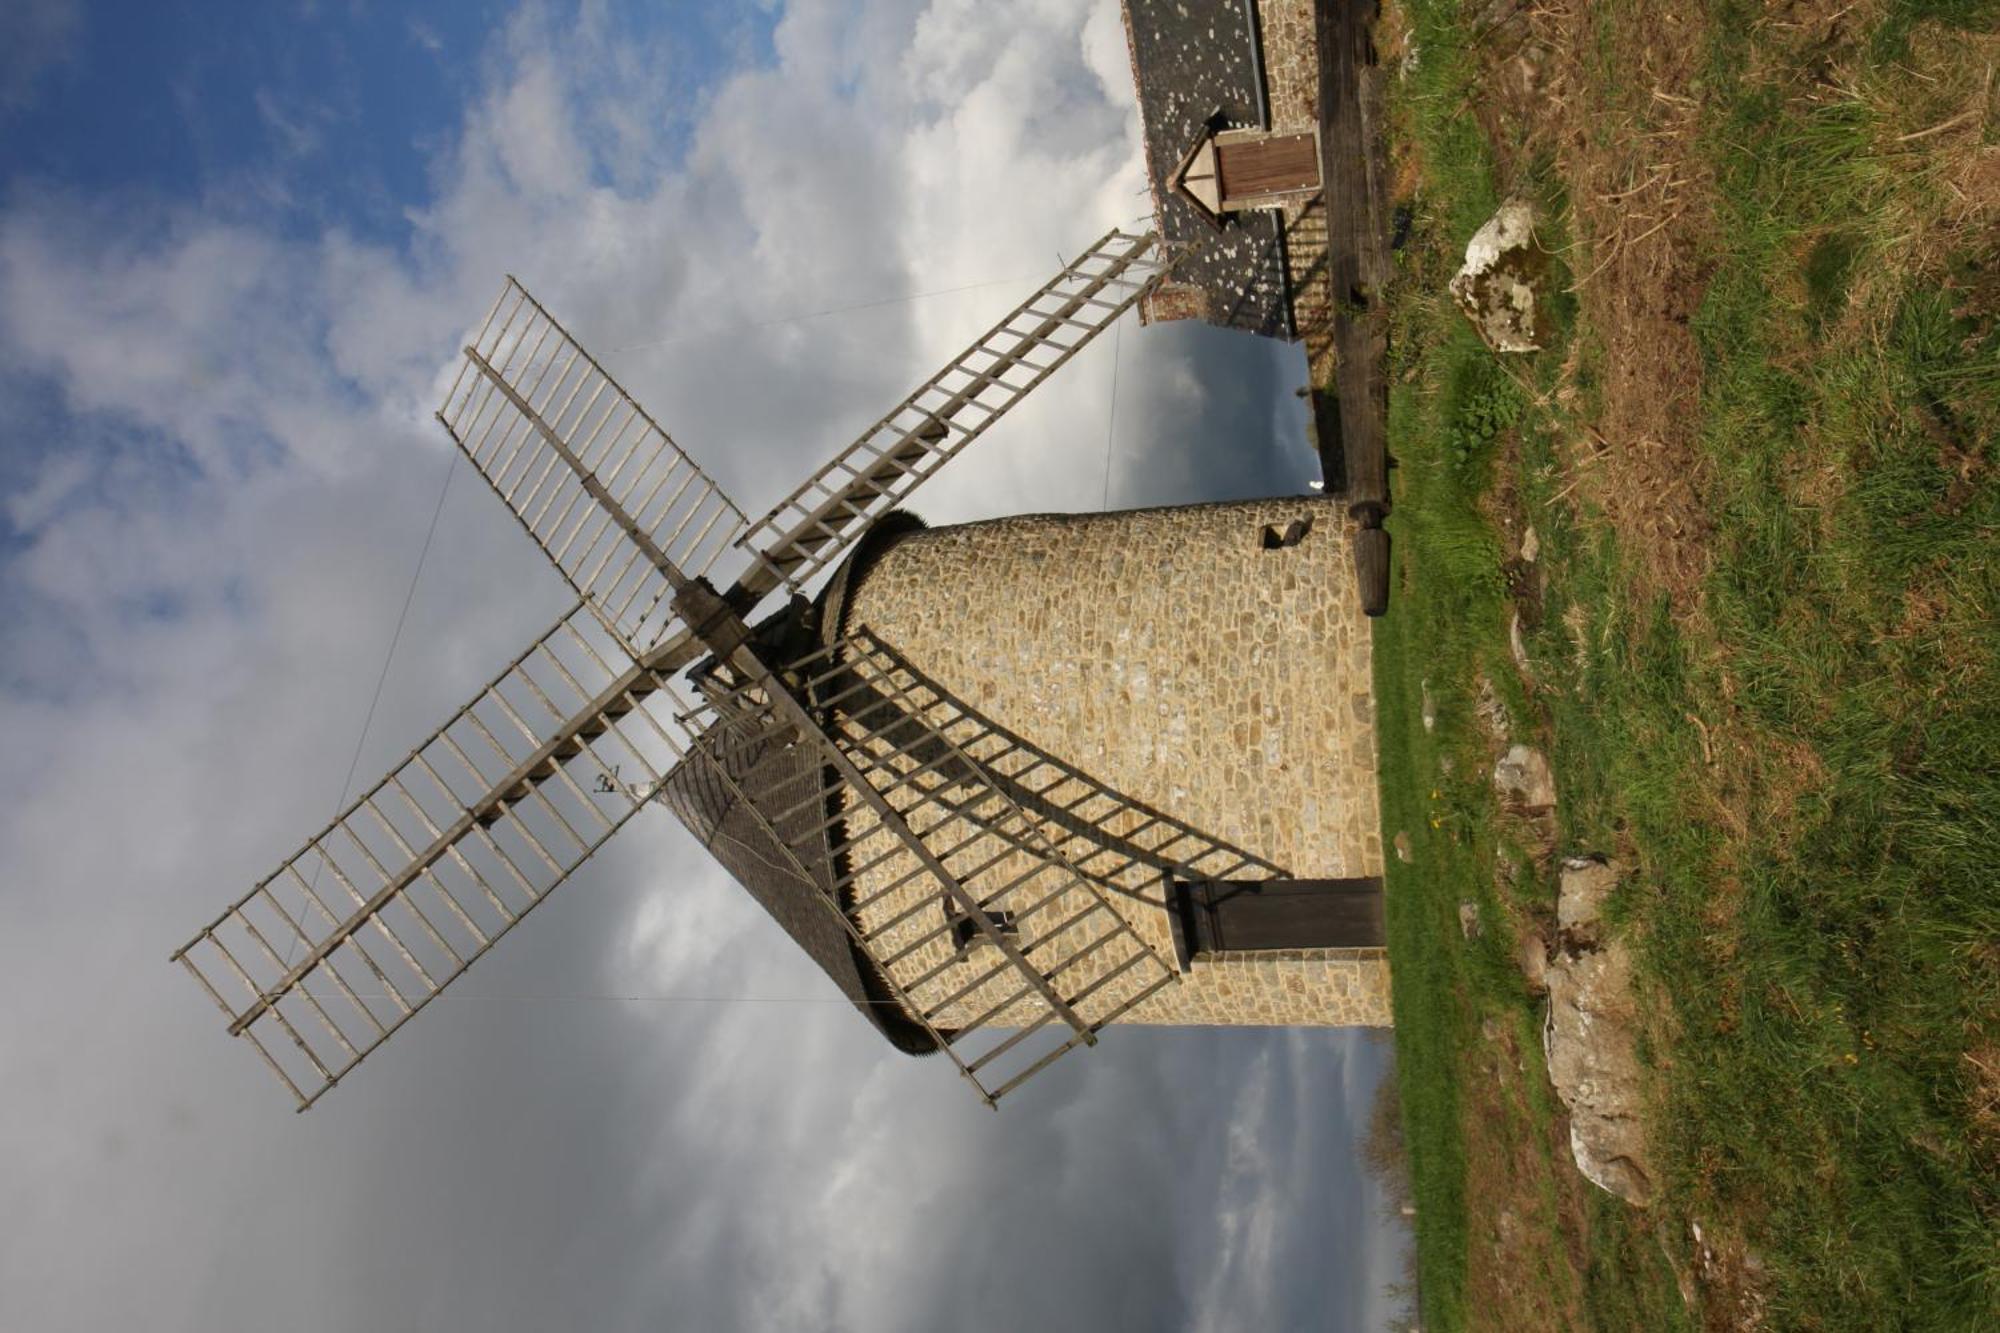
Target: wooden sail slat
(512,411)
(317,942)
(813,526)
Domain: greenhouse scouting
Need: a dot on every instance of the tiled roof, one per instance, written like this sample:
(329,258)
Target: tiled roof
(1192,63)
(704,803)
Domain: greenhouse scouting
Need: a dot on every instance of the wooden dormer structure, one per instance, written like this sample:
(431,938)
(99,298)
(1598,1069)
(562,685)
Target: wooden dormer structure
(1229,171)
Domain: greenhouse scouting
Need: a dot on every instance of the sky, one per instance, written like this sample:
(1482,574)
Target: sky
(239,245)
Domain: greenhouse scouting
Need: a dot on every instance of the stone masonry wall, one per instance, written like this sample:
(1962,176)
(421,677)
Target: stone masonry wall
(1290,52)
(1210,701)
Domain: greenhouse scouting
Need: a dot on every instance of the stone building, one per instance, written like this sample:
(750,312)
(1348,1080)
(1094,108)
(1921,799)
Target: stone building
(1179,698)
(1229,101)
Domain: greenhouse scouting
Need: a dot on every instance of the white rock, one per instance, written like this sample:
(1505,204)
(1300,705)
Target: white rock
(1496,287)
(1590,1044)
(1523,776)
(1585,885)
(1509,229)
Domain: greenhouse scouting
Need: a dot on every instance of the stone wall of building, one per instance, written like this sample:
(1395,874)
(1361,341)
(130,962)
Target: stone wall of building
(1290,54)
(1203,705)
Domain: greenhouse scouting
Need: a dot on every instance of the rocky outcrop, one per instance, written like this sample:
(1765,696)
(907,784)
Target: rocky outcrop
(1524,780)
(1587,882)
(1470,923)
(1590,1040)
(1498,289)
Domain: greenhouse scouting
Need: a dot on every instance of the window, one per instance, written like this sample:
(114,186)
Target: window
(1294,532)
(966,937)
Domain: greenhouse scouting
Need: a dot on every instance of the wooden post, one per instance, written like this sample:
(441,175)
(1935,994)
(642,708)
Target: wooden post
(1358,268)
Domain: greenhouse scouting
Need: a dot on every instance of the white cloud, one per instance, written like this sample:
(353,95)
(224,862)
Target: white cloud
(296,133)
(57,478)
(425,36)
(1248,1213)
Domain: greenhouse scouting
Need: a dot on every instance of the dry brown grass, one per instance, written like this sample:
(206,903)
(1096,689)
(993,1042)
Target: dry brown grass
(1939,115)
(1641,217)
(1984,1062)
(1935,156)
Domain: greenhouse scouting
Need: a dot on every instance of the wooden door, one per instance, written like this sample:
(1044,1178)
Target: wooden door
(1253,170)
(1219,916)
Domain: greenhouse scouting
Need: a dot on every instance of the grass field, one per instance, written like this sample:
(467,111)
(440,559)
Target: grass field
(1757,641)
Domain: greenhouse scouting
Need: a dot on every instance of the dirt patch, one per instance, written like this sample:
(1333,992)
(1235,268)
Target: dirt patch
(1520,1195)
(1954,629)
(1728,1281)
(1641,219)
(1502,506)
(1501,503)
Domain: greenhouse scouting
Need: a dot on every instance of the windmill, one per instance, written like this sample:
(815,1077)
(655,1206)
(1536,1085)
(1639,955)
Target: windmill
(936,862)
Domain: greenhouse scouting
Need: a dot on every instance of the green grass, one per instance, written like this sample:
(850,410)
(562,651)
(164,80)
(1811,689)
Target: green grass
(1452,408)
(1818,907)
(1447,631)
(1868,914)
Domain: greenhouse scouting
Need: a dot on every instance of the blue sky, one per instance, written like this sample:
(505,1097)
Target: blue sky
(183,100)
(312,115)
(238,248)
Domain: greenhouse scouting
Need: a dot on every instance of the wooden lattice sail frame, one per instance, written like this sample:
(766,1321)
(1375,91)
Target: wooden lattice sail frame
(335,951)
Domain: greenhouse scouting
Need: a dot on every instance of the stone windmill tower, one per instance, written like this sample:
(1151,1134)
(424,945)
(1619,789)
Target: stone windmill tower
(1006,783)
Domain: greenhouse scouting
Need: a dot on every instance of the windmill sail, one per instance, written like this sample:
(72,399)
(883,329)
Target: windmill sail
(812,526)
(920,850)
(592,477)
(327,957)
(907,822)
